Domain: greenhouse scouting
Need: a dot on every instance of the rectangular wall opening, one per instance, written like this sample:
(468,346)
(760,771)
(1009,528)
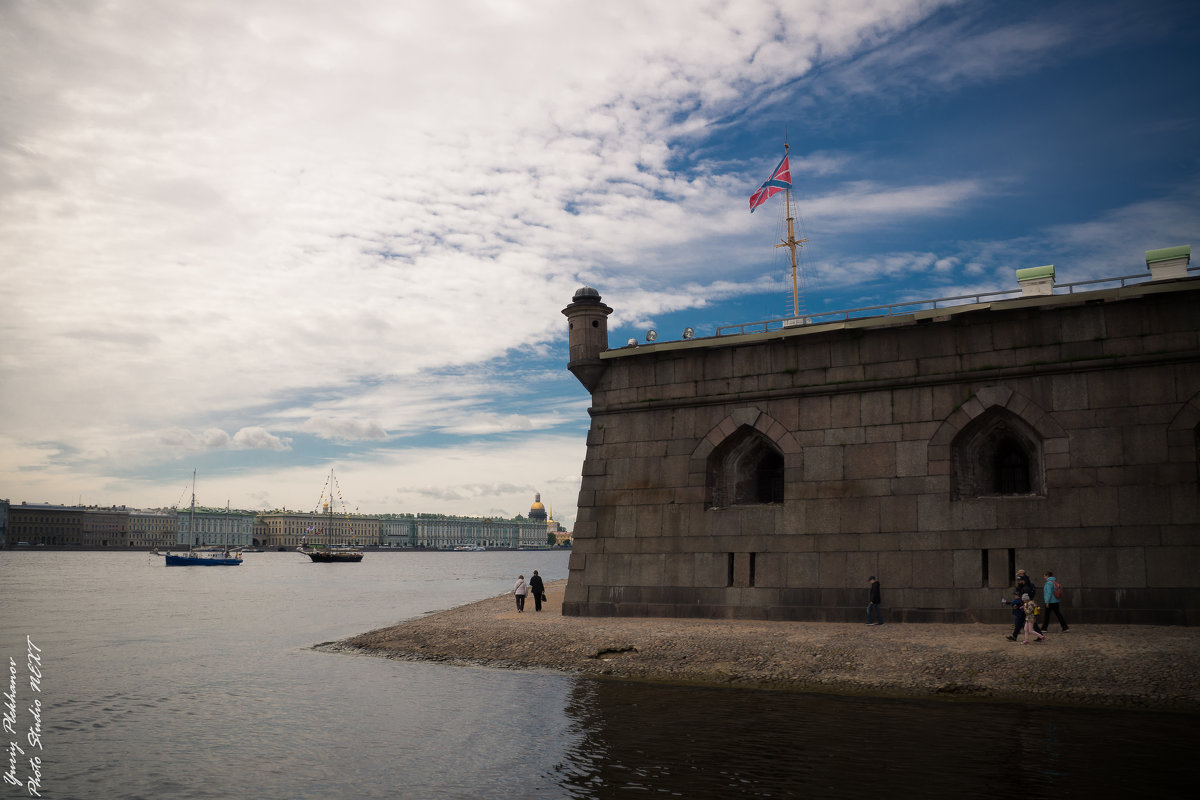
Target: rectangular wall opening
(729,578)
(752,555)
(1012,566)
(983,557)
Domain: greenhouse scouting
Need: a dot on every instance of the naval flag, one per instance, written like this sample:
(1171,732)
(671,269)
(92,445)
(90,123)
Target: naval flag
(780,179)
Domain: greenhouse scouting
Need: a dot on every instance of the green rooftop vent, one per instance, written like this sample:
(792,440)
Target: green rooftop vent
(1169,262)
(1036,280)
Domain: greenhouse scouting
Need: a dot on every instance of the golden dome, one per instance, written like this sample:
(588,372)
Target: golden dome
(537,510)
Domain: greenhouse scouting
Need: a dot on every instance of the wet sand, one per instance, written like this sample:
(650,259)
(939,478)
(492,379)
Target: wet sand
(1112,666)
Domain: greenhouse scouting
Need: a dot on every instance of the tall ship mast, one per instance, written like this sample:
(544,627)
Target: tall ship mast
(329,553)
(781,181)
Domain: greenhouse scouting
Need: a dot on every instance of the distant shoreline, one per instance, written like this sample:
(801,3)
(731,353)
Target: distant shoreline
(370,548)
(1111,666)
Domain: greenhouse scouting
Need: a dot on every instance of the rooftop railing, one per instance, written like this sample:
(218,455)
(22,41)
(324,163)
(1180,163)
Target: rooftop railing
(896,309)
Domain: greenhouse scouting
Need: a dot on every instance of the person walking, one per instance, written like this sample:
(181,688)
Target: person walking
(1050,596)
(520,590)
(1018,612)
(1025,586)
(874,617)
(1030,612)
(539,590)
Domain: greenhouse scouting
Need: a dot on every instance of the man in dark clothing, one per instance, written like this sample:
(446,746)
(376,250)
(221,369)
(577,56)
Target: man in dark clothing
(539,589)
(1025,586)
(874,617)
(1018,611)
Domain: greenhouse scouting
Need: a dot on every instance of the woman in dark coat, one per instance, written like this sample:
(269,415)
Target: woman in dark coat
(539,590)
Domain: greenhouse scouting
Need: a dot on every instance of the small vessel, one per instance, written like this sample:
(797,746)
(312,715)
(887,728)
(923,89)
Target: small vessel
(201,556)
(328,552)
(204,557)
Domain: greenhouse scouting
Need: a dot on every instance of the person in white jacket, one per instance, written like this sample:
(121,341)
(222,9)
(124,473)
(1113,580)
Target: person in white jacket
(520,590)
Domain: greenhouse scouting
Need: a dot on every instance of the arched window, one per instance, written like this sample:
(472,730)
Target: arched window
(998,454)
(746,469)
(1012,468)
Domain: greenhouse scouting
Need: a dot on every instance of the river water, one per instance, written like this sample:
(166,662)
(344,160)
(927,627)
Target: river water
(201,683)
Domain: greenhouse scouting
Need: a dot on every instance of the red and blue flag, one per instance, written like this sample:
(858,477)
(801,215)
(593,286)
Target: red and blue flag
(781,178)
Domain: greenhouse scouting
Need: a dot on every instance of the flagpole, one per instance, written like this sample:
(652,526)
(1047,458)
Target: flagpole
(791,242)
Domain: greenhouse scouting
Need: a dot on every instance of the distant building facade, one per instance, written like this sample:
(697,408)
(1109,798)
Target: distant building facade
(70,526)
(767,475)
(442,532)
(291,529)
(214,529)
(76,526)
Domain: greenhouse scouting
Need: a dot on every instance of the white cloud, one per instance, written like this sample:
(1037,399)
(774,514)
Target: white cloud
(303,220)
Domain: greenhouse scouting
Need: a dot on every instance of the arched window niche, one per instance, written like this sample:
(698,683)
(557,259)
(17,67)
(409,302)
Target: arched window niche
(998,454)
(746,469)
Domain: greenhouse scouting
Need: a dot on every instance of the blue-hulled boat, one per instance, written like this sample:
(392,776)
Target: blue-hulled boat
(202,556)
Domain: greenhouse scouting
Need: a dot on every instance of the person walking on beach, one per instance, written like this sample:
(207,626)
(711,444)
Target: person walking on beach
(874,617)
(1018,612)
(1051,592)
(539,590)
(1025,586)
(1030,611)
(520,590)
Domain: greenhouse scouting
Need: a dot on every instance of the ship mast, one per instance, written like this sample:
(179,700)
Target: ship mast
(792,243)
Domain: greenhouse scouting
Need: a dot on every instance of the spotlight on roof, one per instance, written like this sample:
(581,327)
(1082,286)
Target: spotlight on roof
(651,335)
(631,343)
(688,333)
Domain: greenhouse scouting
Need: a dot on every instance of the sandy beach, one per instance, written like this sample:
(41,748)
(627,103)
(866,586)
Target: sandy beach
(1112,666)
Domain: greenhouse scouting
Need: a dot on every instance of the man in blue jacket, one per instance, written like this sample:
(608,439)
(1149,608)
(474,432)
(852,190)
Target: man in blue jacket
(1018,612)
(1051,602)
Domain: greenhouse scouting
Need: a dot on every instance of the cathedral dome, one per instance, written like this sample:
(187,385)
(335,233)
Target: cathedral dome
(537,510)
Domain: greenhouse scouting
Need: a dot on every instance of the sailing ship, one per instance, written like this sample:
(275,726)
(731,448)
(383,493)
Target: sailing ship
(328,552)
(201,556)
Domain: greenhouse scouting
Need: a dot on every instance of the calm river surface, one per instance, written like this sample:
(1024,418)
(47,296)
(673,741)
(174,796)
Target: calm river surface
(200,683)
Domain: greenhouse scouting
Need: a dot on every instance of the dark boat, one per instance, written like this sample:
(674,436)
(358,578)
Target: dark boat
(329,553)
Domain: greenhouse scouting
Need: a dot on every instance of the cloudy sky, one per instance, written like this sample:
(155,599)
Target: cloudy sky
(263,239)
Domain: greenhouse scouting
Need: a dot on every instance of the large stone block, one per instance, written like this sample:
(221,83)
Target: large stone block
(815,413)
(895,568)
(883,433)
(1143,505)
(898,514)
(869,461)
(845,411)
(932,568)
(1173,566)
(823,464)
(861,515)
(711,569)
(968,568)
(933,513)
(912,404)
(803,569)
(833,570)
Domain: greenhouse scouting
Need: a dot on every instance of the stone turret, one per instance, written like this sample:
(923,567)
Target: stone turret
(587,323)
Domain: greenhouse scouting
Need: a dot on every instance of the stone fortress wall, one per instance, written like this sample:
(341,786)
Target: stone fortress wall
(768,475)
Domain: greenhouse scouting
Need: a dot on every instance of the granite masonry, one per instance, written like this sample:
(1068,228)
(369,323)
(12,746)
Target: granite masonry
(767,475)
